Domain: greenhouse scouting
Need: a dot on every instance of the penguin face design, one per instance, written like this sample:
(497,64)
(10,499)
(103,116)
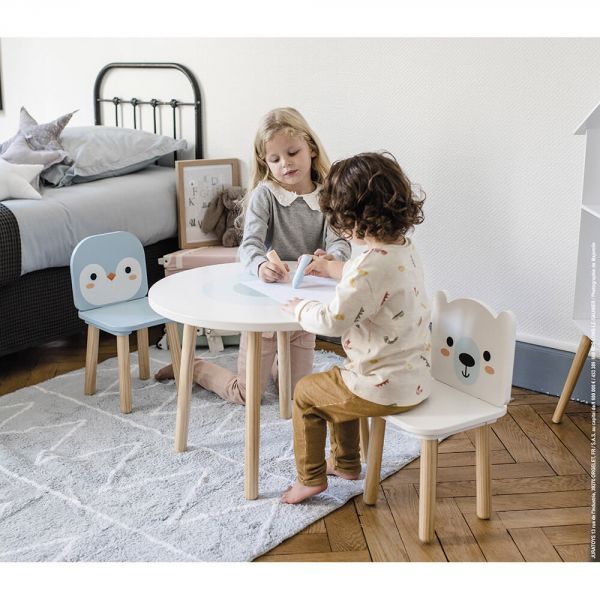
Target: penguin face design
(101,284)
(108,268)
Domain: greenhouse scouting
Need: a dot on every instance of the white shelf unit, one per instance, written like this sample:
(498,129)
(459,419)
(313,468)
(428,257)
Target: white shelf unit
(588,259)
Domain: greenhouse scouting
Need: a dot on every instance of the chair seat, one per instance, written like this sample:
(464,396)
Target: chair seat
(123,318)
(445,412)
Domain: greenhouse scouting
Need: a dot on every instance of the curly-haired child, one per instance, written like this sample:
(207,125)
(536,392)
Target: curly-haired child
(381,312)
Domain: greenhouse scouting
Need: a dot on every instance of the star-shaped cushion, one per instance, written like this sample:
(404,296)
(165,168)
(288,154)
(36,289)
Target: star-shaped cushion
(21,153)
(15,180)
(45,136)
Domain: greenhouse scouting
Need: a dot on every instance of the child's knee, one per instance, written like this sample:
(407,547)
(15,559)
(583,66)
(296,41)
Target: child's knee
(302,390)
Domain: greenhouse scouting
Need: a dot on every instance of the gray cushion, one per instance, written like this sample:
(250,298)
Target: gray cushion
(21,153)
(99,152)
(45,136)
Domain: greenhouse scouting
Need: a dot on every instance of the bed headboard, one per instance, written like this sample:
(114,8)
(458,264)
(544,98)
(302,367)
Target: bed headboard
(133,111)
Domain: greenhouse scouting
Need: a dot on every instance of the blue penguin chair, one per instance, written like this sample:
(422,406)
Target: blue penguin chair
(110,287)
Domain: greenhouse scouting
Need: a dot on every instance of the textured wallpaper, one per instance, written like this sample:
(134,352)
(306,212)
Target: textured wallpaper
(484,125)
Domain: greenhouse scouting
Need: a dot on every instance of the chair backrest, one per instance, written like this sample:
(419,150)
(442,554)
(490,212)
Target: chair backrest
(107,269)
(473,348)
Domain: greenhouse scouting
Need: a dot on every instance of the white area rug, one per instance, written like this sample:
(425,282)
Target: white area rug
(81,482)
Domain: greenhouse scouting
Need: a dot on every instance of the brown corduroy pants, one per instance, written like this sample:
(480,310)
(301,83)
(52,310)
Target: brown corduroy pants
(320,399)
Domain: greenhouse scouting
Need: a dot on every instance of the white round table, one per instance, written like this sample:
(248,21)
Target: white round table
(213,297)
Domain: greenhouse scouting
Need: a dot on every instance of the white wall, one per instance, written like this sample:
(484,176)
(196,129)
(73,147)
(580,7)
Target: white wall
(484,125)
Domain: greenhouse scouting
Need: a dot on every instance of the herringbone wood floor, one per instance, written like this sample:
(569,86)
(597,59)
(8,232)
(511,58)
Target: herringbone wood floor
(541,485)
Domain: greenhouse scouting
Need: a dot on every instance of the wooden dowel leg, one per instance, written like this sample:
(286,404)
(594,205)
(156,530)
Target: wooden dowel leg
(427,485)
(91,360)
(576,366)
(483,472)
(374,460)
(252,416)
(364,438)
(284,374)
(174,349)
(143,353)
(184,391)
(124,373)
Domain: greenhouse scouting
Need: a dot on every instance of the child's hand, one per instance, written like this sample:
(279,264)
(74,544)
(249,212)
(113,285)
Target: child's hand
(323,254)
(270,272)
(318,267)
(290,305)
(325,267)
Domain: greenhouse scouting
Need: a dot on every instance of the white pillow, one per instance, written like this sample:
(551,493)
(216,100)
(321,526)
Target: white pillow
(15,180)
(100,152)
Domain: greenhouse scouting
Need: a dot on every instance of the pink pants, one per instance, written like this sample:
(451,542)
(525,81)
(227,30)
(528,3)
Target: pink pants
(232,387)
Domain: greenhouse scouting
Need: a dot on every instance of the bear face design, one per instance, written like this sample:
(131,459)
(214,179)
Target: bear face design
(100,285)
(468,359)
(473,348)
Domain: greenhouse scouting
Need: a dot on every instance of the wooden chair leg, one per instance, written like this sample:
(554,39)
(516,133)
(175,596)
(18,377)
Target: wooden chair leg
(427,484)
(374,460)
(576,366)
(284,374)
(483,472)
(364,439)
(91,360)
(124,373)
(143,353)
(174,349)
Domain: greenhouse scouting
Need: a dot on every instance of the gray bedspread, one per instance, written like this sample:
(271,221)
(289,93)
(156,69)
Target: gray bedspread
(143,203)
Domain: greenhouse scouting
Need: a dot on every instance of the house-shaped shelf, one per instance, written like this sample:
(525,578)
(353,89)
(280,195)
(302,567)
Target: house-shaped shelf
(587,304)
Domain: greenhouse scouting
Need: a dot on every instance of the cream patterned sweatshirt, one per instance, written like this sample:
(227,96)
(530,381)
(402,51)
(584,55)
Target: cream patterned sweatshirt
(382,314)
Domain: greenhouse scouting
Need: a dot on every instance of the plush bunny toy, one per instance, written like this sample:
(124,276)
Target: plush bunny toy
(221,214)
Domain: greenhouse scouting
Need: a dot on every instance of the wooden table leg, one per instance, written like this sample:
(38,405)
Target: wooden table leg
(184,391)
(174,349)
(576,366)
(284,376)
(252,415)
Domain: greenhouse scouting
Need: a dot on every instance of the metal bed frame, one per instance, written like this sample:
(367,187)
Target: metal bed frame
(153,102)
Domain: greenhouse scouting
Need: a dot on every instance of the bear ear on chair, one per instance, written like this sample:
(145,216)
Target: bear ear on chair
(507,319)
(440,299)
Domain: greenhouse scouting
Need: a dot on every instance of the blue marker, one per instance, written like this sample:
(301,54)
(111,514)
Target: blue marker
(299,275)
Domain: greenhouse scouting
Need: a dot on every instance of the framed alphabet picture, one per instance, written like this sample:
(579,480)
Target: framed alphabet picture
(198,183)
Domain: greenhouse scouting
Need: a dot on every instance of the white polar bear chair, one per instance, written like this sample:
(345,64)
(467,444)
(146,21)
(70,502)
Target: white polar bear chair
(472,356)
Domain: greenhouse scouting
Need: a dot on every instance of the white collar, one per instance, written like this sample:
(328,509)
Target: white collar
(285,197)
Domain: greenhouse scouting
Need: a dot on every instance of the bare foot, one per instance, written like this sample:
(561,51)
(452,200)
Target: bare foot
(164,373)
(332,471)
(298,492)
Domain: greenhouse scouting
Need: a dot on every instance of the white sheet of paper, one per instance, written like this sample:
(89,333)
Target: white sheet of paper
(311,288)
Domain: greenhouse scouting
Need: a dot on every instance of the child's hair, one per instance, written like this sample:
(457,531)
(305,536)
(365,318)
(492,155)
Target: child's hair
(287,120)
(370,195)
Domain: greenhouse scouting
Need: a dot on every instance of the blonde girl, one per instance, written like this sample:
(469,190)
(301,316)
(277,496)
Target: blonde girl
(281,213)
